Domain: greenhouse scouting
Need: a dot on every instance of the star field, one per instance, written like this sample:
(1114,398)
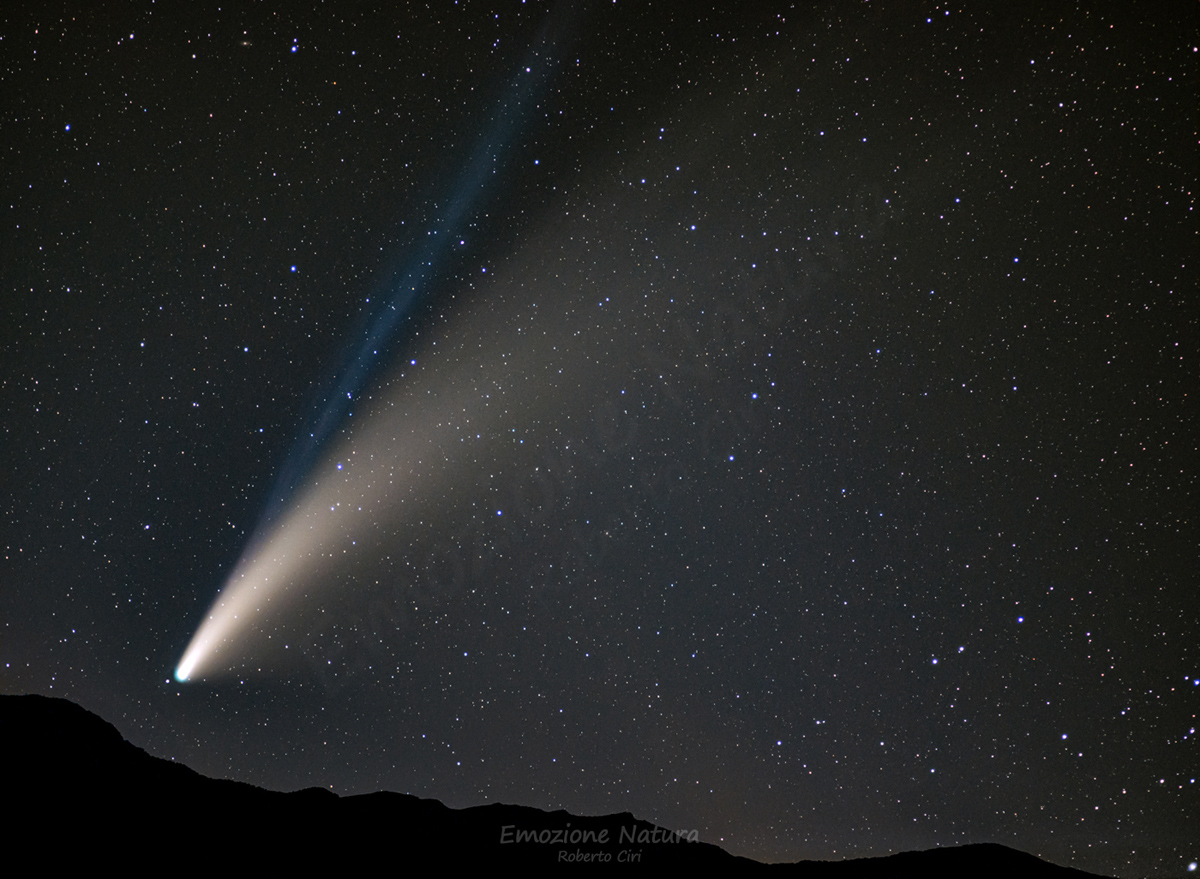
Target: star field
(768,421)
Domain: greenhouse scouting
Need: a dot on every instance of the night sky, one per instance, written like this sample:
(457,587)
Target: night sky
(778,422)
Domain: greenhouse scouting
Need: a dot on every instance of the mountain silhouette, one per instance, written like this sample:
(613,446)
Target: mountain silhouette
(78,794)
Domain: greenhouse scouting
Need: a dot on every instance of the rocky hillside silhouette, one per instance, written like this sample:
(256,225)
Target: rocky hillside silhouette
(77,794)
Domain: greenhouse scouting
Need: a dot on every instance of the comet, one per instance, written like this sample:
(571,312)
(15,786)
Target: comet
(317,509)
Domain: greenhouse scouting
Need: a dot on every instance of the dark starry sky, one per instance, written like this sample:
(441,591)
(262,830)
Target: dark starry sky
(808,397)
